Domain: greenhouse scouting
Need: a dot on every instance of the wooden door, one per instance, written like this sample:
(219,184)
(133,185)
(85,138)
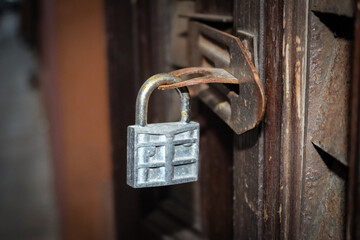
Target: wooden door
(275,181)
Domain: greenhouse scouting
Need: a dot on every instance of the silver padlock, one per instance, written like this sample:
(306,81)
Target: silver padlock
(161,154)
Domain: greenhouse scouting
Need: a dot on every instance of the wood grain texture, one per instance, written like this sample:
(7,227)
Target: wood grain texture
(353,217)
(248,147)
(272,123)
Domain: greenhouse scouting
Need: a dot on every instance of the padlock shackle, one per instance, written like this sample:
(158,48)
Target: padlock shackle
(149,86)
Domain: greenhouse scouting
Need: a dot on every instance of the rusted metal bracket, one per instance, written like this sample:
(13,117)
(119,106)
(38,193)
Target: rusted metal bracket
(203,75)
(221,57)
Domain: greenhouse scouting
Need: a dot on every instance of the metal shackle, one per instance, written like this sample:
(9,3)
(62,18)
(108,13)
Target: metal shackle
(149,86)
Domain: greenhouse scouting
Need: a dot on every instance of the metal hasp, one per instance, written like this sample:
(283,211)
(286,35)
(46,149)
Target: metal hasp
(209,47)
(203,75)
(161,154)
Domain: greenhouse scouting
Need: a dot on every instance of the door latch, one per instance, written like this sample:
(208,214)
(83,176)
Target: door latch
(161,154)
(223,58)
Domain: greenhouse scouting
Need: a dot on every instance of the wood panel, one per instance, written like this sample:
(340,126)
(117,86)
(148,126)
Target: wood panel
(353,211)
(248,175)
(272,124)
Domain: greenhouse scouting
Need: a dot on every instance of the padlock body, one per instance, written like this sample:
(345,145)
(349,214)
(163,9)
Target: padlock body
(161,154)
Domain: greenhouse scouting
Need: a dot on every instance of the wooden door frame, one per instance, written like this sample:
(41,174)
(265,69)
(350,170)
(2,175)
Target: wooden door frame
(250,149)
(268,162)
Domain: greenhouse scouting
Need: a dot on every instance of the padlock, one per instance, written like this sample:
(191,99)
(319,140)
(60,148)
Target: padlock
(161,154)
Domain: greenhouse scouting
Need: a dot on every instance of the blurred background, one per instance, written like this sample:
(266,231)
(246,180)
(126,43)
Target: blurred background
(27,202)
(53,106)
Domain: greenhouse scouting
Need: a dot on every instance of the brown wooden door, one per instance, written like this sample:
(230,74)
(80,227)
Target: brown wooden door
(275,181)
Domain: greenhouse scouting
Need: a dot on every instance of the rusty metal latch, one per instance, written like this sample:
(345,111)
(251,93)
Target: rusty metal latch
(207,75)
(222,58)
